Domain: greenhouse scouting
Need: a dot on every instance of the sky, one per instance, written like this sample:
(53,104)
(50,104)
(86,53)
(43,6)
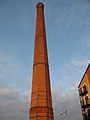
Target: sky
(68,38)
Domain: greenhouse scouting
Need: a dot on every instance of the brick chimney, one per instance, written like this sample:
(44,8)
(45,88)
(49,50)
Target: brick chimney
(41,100)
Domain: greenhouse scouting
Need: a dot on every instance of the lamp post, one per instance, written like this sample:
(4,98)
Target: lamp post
(65,112)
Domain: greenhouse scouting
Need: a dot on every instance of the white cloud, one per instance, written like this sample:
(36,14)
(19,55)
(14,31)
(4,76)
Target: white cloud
(67,100)
(79,62)
(14,104)
(14,92)
(11,73)
(5,91)
(65,89)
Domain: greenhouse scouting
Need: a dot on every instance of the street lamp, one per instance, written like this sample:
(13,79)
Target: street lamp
(65,112)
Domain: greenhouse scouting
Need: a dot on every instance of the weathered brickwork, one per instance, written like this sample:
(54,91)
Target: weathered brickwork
(41,100)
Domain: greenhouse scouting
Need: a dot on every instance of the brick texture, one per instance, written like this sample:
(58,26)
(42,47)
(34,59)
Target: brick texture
(41,100)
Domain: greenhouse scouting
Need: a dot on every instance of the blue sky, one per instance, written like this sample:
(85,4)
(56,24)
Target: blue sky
(68,38)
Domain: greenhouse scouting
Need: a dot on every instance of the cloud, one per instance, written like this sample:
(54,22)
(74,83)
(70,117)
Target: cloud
(14,104)
(11,73)
(65,88)
(5,91)
(67,101)
(14,92)
(79,62)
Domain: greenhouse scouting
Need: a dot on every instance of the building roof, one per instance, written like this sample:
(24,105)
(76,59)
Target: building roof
(83,75)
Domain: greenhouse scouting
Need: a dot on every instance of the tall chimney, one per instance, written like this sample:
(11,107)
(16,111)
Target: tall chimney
(41,100)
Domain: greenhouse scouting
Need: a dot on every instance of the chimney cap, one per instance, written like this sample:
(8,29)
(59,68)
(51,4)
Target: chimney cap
(40,4)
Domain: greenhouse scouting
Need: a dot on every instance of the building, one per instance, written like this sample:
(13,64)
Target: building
(41,100)
(84,93)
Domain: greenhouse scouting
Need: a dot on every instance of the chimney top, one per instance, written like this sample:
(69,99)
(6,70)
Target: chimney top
(40,4)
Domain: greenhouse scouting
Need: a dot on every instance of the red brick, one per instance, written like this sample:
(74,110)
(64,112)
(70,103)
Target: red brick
(41,101)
